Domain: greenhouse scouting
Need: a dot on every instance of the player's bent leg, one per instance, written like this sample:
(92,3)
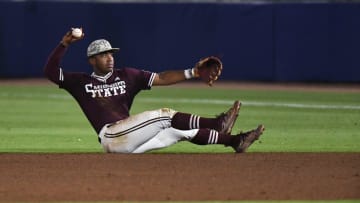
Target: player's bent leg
(222,123)
(166,138)
(128,134)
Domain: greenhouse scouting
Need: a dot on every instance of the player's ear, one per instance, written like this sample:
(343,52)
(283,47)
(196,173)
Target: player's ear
(91,61)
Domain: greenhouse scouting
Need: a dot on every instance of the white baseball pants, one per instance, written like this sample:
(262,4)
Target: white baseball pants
(143,132)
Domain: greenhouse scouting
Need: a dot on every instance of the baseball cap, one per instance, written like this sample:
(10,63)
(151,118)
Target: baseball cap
(99,46)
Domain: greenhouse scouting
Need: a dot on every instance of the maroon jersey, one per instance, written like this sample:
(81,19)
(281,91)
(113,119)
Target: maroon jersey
(103,99)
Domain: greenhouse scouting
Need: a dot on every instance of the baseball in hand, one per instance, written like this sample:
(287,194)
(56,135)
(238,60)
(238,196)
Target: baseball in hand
(76,32)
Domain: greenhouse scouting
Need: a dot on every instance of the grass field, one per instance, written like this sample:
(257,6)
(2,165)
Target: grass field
(44,118)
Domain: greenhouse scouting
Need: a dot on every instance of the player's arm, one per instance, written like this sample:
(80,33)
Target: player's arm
(173,76)
(52,68)
(207,69)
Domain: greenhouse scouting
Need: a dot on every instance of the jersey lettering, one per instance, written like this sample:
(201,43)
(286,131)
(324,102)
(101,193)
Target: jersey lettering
(106,90)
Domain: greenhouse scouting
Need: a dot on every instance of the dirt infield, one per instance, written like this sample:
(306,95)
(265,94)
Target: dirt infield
(179,177)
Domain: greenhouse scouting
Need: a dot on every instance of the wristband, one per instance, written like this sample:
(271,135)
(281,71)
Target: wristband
(189,73)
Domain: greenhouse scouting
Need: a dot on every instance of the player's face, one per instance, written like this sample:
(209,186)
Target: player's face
(102,63)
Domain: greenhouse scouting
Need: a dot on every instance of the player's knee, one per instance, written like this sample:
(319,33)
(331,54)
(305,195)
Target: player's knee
(167,112)
(116,148)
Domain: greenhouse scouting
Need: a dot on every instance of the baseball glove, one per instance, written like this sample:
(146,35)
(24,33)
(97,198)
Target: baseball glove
(208,69)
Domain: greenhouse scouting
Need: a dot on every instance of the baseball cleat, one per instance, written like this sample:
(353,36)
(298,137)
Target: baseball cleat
(228,119)
(247,138)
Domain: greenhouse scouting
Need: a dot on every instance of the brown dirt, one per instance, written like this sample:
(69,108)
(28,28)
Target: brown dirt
(179,177)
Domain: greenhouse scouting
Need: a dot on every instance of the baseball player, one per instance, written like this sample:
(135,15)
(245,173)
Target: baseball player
(107,94)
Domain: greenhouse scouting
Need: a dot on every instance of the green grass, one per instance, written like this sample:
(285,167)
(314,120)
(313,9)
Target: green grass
(47,119)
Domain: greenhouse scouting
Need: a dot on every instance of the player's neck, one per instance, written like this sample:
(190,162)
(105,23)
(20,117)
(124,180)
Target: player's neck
(101,76)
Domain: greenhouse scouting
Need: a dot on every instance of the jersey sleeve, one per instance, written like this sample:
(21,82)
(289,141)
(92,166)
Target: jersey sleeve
(52,69)
(144,79)
(54,72)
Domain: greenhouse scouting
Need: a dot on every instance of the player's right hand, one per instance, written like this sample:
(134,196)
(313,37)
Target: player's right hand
(68,38)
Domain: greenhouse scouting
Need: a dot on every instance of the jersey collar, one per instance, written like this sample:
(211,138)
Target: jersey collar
(102,78)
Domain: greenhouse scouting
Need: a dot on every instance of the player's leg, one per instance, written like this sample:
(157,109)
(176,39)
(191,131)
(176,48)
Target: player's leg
(239,142)
(170,136)
(222,123)
(166,138)
(126,135)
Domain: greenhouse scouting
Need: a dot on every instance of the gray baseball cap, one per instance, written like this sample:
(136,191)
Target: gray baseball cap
(99,46)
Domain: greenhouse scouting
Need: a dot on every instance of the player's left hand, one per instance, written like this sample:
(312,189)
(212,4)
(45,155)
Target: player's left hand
(208,69)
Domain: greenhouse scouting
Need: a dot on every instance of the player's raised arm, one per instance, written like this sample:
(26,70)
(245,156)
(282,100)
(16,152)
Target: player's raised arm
(52,67)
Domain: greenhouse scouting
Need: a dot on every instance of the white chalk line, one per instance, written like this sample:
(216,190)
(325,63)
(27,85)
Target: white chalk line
(201,101)
(251,103)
